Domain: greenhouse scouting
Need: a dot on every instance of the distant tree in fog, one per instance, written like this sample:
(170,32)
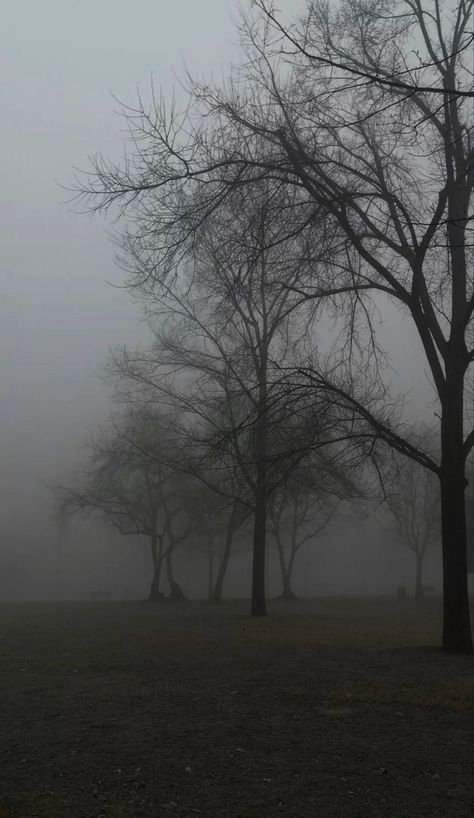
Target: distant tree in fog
(413,499)
(223,332)
(294,521)
(302,508)
(217,522)
(131,482)
(225,338)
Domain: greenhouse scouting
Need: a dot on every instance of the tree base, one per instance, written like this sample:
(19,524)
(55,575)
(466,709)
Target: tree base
(156,596)
(177,596)
(216,600)
(462,649)
(288,596)
(258,608)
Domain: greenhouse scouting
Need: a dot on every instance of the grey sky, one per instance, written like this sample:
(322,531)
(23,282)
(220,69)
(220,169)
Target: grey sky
(59,63)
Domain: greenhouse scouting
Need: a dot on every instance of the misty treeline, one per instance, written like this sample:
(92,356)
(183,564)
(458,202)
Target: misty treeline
(210,446)
(269,219)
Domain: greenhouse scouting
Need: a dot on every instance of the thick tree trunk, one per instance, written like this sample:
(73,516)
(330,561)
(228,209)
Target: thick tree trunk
(457,635)
(155,593)
(176,591)
(419,578)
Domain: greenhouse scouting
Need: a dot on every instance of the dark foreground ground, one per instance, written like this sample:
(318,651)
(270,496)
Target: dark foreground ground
(328,708)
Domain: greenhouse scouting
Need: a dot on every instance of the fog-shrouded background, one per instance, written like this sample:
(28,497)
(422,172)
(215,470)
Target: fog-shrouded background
(62,306)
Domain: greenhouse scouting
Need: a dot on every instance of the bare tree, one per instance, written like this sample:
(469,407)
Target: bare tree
(303,506)
(221,323)
(363,112)
(413,500)
(129,486)
(394,168)
(295,521)
(217,521)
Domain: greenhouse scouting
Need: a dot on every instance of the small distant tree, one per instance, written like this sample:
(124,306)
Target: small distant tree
(304,505)
(295,519)
(414,500)
(217,520)
(128,483)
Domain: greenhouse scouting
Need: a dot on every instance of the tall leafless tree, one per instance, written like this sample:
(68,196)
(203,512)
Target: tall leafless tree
(221,323)
(364,113)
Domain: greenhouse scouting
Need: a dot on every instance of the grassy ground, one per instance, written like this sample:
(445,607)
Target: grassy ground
(326,708)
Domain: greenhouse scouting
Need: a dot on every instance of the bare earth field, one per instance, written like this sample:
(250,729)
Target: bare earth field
(326,708)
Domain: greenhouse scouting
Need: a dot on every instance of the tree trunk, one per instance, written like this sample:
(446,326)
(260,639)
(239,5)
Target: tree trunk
(291,562)
(259,607)
(286,582)
(286,592)
(217,592)
(210,572)
(419,578)
(289,571)
(155,593)
(176,591)
(457,635)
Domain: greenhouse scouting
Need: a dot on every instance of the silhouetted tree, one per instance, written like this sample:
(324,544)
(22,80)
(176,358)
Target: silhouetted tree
(303,506)
(364,113)
(217,520)
(413,500)
(128,483)
(222,323)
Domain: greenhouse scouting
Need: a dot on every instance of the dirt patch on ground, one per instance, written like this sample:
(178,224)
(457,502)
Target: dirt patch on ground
(329,708)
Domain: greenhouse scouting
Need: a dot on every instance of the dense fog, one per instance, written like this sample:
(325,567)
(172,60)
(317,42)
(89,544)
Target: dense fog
(237,409)
(40,562)
(63,308)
